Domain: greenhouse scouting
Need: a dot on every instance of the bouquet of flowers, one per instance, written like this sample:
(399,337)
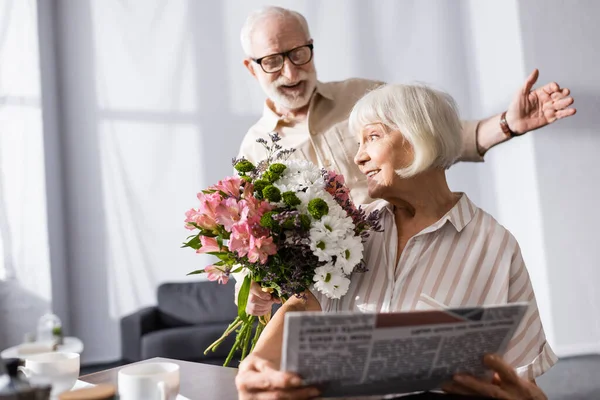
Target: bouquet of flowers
(285,224)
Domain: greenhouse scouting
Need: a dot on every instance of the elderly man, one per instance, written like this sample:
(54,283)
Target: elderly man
(311,116)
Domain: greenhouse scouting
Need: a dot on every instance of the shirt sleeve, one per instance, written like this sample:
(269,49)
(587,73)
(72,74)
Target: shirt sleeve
(469,142)
(528,351)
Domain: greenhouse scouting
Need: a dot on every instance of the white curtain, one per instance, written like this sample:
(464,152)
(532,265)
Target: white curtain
(24,259)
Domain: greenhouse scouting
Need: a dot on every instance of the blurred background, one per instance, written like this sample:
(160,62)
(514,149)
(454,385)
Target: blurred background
(115,113)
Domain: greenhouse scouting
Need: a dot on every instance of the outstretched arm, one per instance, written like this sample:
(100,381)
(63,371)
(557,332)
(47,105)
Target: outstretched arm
(529,110)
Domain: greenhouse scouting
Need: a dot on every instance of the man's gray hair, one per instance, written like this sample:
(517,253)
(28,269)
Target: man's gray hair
(257,16)
(427,118)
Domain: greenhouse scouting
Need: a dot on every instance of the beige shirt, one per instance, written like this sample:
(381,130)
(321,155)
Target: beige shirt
(324,138)
(465,259)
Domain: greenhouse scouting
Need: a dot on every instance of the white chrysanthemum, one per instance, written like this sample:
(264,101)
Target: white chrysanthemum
(333,226)
(323,245)
(351,253)
(298,175)
(334,208)
(331,281)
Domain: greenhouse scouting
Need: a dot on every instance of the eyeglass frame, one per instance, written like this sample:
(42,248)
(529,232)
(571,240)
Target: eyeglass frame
(285,54)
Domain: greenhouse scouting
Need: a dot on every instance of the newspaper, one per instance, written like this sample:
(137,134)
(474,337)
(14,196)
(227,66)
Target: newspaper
(360,354)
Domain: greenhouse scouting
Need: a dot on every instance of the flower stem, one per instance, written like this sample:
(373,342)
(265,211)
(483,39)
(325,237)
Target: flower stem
(233,326)
(246,338)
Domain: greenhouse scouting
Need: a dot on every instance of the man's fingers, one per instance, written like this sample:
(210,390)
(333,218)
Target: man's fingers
(260,300)
(531,80)
(563,103)
(256,290)
(559,95)
(550,88)
(257,310)
(565,113)
(506,373)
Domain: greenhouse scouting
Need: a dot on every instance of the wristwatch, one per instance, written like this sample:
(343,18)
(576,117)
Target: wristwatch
(504,126)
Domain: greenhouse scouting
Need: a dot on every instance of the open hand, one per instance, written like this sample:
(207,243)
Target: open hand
(258,379)
(506,384)
(533,109)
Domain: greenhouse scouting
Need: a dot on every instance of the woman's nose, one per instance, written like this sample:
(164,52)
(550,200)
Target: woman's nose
(361,156)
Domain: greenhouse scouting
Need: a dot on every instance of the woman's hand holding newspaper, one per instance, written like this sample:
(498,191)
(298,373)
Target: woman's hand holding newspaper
(258,378)
(506,384)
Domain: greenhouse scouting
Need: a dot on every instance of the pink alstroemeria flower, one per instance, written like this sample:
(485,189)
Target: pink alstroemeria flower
(209,245)
(207,210)
(191,216)
(240,238)
(254,209)
(229,212)
(230,186)
(216,273)
(261,248)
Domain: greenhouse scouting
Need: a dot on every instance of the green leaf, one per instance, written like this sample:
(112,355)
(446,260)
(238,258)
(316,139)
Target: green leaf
(198,271)
(220,241)
(243,298)
(194,243)
(238,269)
(217,253)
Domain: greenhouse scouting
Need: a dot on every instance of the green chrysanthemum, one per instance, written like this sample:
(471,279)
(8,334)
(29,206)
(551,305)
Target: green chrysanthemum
(244,166)
(268,222)
(290,199)
(277,168)
(317,208)
(272,194)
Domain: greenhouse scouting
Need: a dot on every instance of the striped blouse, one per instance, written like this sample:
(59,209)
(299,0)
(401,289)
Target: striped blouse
(465,259)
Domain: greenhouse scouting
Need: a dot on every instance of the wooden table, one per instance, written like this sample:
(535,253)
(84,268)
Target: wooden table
(198,381)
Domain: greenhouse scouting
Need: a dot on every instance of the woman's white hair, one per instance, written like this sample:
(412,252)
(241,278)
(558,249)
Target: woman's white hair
(427,119)
(259,15)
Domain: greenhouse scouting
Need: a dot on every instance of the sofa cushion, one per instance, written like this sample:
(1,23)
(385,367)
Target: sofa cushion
(187,343)
(193,303)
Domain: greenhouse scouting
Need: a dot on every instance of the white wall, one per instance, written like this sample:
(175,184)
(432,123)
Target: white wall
(508,179)
(562,39)
(154,101)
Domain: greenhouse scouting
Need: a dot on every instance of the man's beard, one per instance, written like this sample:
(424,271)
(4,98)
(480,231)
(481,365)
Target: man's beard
(290,99)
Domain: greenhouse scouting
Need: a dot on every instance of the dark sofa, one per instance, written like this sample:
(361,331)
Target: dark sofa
(188,317)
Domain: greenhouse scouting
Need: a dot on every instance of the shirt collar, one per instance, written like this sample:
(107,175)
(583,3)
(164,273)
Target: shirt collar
(270,119)
(459,216)
(324,90)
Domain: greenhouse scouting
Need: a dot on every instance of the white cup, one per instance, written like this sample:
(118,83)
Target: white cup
(149,381)
(60,370)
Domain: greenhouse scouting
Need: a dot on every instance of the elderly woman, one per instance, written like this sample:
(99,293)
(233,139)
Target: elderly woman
(437,248)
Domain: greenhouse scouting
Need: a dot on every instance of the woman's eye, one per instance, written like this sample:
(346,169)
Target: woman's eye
(373,137)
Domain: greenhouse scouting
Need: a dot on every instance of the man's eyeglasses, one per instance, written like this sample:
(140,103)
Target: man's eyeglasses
(274,62)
